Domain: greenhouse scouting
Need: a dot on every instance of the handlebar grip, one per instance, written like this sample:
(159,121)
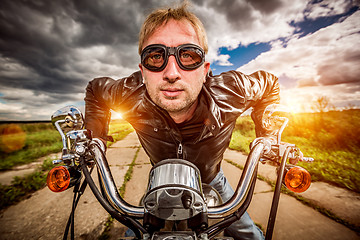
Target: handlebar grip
(307,159)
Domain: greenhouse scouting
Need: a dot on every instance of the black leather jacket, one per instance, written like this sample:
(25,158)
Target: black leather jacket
(222,100)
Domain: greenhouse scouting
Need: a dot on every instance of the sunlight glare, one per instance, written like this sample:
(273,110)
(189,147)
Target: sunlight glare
(116,115)
(12,138)
(297,105)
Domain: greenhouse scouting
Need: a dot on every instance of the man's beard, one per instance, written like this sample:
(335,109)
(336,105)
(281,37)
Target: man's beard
(171,105)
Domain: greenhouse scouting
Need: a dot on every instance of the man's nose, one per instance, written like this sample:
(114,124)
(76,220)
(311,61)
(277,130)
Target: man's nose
(171,71)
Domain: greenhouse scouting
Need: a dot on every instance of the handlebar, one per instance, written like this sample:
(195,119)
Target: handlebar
(230,211)
(79,147)
(243,186)
(221,211)
(109,185)
(307,159)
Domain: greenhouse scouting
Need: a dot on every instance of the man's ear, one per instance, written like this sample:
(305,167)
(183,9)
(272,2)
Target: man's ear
(142,72)
(206,69)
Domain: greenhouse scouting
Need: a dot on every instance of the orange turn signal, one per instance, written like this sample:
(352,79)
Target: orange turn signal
(297,179)
(58,179)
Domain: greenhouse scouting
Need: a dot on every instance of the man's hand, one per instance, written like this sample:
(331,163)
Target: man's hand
(267,141)
(299,156)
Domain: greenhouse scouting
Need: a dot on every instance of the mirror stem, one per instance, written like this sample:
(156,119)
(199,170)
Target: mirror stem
(63,138)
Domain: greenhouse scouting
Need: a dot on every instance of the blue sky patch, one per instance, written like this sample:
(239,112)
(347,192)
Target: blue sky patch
(240,56)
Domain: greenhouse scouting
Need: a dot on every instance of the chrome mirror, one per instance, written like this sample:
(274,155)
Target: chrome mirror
(67,119)
(275,119)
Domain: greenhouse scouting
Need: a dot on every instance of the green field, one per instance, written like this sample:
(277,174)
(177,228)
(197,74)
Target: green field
(119,129)
(331,138)
(25,143)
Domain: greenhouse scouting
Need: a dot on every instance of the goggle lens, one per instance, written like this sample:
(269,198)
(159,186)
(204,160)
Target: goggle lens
(188,56)
(153,58)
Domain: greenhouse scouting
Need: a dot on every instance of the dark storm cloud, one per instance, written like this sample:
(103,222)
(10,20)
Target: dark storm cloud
(43,36)
(343,67)
(240,14)
(106,23)
(49,50)
(333,74)
(266,6)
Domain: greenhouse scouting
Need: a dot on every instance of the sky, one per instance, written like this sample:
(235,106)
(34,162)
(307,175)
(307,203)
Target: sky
(50,50)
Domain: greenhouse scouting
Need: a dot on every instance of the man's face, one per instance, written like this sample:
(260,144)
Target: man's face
(174,89)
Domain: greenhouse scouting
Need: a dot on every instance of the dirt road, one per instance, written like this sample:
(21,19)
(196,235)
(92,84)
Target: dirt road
(44,214)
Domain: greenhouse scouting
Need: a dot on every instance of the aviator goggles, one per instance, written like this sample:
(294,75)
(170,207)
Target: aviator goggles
(188,56)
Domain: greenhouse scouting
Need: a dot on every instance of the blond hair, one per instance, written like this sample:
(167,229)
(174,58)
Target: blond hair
(163,15)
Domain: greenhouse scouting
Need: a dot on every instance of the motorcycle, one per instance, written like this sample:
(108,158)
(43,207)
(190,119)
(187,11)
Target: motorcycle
(175,195)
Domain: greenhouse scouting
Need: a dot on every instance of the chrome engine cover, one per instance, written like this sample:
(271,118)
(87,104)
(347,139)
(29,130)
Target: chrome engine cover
(174,191)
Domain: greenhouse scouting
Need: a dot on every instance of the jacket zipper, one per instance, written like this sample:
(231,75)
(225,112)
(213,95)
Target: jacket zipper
(180,151)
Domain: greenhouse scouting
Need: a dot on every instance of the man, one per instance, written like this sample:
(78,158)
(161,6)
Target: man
(177,107)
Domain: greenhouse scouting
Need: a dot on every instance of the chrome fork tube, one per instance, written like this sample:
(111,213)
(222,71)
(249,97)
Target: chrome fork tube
(109,186)
(243,186)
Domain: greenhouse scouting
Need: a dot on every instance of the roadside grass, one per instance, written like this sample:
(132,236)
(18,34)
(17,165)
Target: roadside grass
(40,141)
(331,138)
(303,200)
(25,143)
(243,134)
(28,143)
(22,187)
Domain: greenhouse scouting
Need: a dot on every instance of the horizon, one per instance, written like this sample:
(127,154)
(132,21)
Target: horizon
(246,113)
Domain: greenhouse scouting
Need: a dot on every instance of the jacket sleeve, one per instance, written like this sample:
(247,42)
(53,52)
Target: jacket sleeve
(257,91)
(268,93)
(97,109)
(102,95)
